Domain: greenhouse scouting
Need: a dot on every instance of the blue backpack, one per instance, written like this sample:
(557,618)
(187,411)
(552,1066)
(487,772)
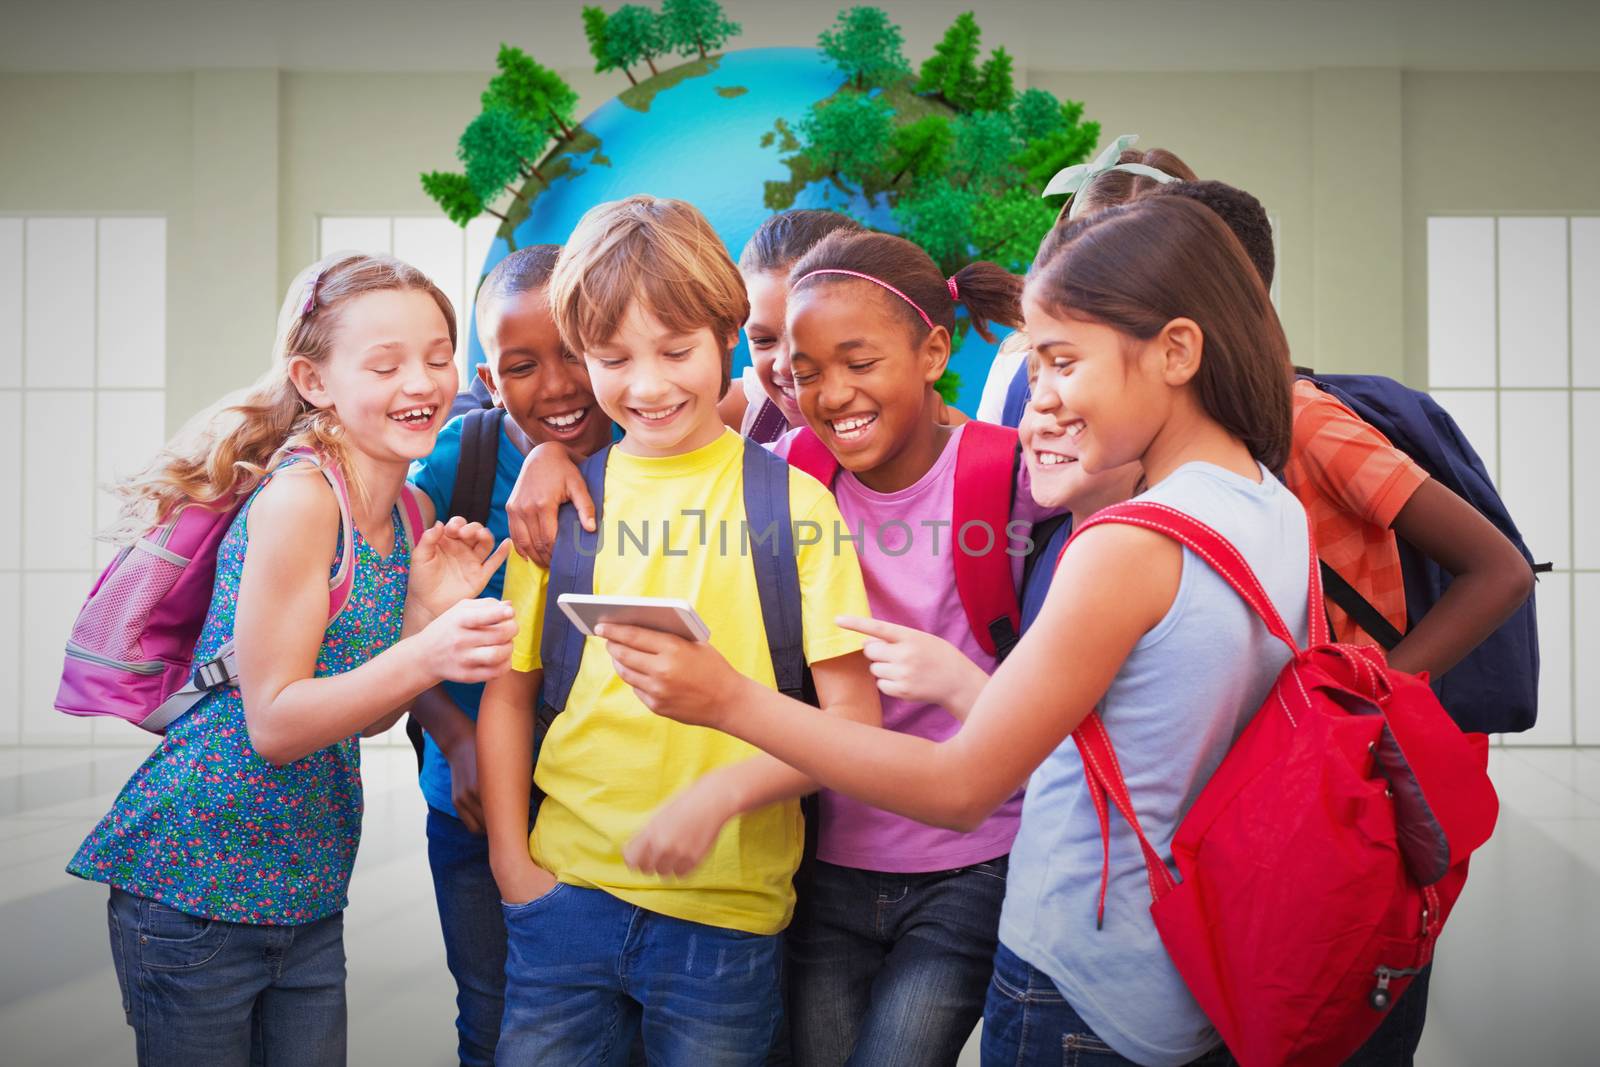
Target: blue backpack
(1495,688)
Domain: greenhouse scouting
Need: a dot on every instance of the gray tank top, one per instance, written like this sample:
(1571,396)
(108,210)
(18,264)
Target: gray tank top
(1181,698)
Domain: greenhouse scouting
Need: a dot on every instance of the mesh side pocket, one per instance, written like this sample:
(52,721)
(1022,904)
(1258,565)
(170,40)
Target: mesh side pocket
(113,621)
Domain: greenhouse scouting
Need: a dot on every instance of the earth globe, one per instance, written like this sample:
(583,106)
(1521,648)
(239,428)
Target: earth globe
(702,132)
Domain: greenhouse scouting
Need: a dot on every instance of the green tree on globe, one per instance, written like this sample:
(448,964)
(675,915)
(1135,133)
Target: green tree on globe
(864,44)
(951,156)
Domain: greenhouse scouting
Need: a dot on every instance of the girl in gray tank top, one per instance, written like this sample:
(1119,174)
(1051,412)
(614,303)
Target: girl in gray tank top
(1157,345)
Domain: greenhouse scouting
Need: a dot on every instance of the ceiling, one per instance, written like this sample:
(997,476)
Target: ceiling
(1124,35)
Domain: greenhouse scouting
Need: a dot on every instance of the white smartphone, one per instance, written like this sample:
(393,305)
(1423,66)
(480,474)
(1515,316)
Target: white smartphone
(670,615)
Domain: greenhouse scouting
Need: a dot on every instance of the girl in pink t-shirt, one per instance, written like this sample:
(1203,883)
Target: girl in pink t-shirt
(894,934)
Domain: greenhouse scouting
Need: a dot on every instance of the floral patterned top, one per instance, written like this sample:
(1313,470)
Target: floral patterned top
(208,827)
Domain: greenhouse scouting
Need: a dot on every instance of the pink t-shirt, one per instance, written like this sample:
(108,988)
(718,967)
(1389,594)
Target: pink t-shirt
(906,556)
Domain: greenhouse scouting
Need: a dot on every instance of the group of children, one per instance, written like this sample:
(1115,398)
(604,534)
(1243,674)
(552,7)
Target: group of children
(618,882)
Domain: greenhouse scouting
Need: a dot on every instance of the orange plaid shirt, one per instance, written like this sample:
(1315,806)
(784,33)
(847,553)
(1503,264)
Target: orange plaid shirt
(1352,483)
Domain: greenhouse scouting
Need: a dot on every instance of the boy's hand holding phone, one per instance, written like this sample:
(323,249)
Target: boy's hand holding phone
(684,680)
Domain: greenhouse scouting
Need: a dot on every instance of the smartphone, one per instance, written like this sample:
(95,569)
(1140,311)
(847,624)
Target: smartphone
(670,615)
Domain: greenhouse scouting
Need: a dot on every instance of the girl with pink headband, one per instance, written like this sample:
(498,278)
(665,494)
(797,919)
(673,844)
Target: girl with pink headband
(894,934)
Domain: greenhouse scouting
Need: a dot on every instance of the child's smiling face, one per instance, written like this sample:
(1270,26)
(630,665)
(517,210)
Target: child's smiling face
(543,386)
(1056,477)
(660,385)
(769,347)
(863,384)
(1104,389)
(390,374)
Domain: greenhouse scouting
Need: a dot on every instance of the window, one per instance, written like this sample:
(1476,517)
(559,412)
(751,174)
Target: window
(1514,355)
(82,403)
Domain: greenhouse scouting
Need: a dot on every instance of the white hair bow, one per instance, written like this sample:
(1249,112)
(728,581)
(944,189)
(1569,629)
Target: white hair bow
(1073,180)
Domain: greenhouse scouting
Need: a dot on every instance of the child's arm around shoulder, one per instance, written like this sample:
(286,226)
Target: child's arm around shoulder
(282,617)
(550,477)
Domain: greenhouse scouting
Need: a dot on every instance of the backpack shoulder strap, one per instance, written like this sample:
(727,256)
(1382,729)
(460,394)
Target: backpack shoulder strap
(1361,610)
(571,571)
(808,453)
(1218,553)
(766,423)
(1043,533)
(344,576)
(411,522)
(1103,776)
(1102,772)
(473,493)
(985,486)
(766,507)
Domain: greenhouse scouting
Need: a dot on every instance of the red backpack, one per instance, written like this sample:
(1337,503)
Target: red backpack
(987,459)
(1319,863)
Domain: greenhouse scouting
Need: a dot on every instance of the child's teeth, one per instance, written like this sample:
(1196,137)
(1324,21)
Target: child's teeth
(658,415)
(845,427)
(561,422)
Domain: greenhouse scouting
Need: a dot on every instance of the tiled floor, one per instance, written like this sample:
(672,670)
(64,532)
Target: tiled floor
(1517,979)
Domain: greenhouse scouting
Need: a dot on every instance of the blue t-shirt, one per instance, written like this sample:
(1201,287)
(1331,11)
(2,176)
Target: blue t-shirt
(436,476)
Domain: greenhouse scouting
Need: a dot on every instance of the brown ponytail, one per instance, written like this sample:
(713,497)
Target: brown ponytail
(990,293)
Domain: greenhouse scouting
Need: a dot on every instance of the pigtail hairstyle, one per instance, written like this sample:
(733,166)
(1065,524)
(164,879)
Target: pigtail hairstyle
(783,238)
(1137,267)
(990,293)
(227,451)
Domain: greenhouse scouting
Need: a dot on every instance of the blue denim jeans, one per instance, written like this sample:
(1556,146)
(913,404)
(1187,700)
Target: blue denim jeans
(1394,1043)
(586,973)
(1028,1023)
(228,994)
(474,933)
(890,969)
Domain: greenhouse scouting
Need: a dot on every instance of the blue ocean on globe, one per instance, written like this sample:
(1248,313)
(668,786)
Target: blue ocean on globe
(700,140)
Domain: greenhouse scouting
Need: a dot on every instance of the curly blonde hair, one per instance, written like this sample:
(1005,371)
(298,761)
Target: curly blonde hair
(226,451)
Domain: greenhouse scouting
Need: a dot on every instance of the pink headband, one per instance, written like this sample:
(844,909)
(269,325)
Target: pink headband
(950,283)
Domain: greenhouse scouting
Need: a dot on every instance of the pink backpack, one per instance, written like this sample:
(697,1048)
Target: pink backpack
(131,653)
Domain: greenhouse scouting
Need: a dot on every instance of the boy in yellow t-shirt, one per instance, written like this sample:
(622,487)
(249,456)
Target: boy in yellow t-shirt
(657,877)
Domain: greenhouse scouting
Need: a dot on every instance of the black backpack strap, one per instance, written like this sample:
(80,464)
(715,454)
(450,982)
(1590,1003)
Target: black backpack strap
(473,494)
(571,571)
(772,553)
(1358,608)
